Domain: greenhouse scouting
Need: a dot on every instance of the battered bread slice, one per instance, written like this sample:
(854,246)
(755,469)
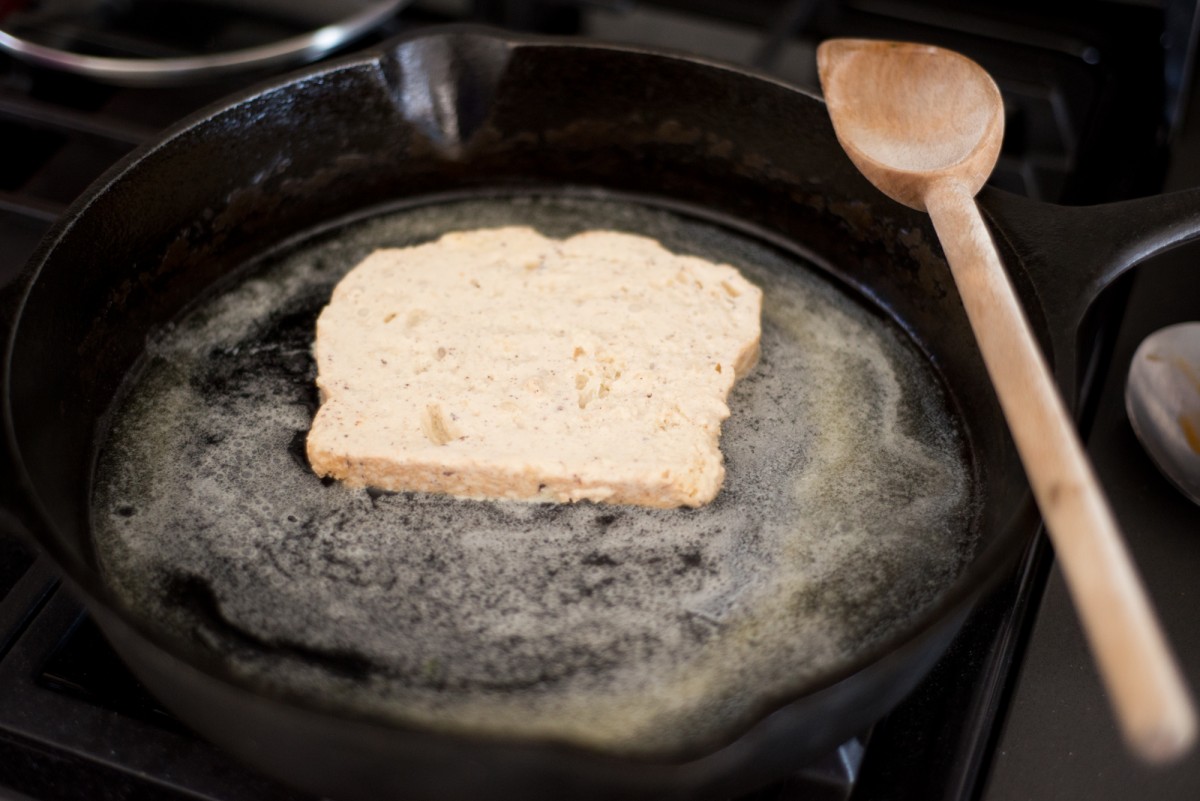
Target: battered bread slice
(501,364)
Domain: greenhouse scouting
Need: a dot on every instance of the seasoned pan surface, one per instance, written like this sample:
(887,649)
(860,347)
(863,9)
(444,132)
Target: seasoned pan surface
(849,507)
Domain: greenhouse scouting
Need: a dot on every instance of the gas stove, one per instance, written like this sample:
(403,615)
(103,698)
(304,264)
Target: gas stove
(1097,110)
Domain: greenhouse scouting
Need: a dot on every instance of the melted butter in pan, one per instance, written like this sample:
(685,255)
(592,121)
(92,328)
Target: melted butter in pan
(846,510)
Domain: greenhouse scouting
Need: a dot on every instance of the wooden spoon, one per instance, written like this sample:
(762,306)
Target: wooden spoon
(924,125)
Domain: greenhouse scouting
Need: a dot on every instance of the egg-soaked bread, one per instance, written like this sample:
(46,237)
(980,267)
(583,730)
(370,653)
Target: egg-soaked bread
(501,364)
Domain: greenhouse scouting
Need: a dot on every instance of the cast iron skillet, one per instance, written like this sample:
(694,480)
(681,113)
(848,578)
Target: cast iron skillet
(463,110)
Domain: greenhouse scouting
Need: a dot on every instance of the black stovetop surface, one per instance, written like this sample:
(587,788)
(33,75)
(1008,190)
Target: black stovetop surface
(1012,711)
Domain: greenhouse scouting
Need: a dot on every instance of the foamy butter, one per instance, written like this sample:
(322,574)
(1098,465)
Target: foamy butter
(846,509)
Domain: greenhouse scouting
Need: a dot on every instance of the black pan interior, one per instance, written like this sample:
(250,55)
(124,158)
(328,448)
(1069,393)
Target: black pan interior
(848,509)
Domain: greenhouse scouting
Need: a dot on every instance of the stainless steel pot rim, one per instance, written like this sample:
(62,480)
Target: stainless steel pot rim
(164,71)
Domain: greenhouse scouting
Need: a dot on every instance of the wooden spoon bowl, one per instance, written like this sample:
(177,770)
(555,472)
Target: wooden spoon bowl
(905,109)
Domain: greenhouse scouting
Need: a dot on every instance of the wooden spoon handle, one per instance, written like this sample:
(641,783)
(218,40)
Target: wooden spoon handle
(1151,701)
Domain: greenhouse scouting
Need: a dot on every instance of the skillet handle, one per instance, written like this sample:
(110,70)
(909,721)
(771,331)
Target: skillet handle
(1071,253)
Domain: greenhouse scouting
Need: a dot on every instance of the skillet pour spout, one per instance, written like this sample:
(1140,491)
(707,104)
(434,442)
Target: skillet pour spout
(464,113)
